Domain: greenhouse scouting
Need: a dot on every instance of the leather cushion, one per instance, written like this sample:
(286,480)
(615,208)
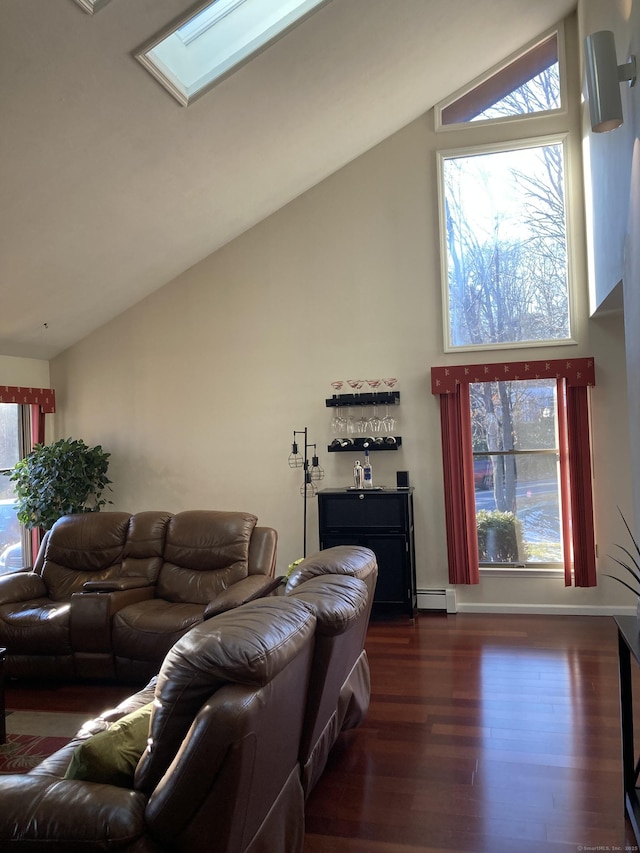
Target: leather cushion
(337,600)
(147,630)
(83,547)
(340,560)
(205,552)
(36,627)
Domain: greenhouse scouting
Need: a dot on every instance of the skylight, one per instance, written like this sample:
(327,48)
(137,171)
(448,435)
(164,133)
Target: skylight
(213,42)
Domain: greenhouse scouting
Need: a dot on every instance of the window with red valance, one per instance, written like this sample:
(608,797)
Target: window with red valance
(572,378)
(34,403)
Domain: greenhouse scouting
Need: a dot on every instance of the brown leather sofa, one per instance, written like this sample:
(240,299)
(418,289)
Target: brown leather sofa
(240,704)
(111,592)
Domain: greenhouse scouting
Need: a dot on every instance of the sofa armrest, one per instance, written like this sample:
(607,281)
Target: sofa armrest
(248,589)
(68,813)
(116,584)
(92,613)
(263,548)
(21,586)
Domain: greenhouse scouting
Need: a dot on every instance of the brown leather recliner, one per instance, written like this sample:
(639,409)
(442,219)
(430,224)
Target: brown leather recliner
(221,768)
(57,620)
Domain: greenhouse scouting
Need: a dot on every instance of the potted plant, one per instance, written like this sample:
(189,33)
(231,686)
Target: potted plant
(59,479)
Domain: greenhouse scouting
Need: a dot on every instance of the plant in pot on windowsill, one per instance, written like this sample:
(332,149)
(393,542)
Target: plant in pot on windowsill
(633,568)
(59,479)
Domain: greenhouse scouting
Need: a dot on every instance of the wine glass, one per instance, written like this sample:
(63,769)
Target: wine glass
(338,422)
(389,421)
(374,423)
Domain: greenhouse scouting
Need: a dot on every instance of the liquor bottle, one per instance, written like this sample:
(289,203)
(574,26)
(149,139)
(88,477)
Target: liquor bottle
(368,471)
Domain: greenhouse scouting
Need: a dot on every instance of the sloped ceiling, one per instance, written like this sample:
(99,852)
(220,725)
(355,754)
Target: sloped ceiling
(109,188)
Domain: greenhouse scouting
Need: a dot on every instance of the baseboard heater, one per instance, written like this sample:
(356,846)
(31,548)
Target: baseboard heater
(437,599)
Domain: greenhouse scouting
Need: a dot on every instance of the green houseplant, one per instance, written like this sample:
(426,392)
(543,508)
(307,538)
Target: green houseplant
(59,479)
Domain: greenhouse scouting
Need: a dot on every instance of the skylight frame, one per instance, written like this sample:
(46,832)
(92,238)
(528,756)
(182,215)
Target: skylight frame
(92,6)
(179,90)
(440,107)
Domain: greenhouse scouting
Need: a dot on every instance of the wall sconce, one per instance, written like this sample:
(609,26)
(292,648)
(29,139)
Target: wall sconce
(604,77)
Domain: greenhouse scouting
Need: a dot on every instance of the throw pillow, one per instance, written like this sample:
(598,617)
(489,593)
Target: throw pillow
(111,756)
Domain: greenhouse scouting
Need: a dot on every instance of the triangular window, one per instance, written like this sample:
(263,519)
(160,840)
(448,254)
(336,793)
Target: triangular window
(526,84)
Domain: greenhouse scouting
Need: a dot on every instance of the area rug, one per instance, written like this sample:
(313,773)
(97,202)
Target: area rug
(22,752)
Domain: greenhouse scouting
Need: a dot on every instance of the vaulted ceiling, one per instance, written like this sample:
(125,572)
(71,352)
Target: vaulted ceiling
(109,189)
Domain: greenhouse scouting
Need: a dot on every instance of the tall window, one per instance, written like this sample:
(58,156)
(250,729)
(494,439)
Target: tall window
(506,277)
(503,212)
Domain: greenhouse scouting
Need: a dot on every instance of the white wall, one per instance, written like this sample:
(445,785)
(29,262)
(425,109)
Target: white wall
(24,372)
(196,391)
(607,156)
(612,164)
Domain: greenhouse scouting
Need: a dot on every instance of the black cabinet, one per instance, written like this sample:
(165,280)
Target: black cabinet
(383,521)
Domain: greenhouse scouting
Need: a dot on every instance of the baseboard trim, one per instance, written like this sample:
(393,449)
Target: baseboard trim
(446,599)
(437,599)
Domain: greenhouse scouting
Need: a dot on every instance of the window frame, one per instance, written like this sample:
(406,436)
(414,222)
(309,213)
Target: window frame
(563,139)
(171,81)
(498,68)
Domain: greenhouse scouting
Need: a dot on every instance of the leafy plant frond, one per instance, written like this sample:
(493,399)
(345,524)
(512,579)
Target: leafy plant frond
(633,539)
(636,592)
(635,571)
(634,567)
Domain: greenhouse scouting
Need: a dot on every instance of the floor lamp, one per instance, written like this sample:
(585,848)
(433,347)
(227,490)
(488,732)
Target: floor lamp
(311,473)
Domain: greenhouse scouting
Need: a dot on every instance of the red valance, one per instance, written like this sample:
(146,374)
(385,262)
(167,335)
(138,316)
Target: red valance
(576,372)
(45,398)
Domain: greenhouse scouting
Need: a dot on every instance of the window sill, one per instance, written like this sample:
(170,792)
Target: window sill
(519,572)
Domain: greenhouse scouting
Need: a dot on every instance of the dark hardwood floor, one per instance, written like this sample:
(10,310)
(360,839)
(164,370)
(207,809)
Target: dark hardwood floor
(485,734)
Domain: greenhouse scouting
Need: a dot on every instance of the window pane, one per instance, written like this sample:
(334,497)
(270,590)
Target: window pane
(9,440)
(516,473)
(529,84)
(506,247)
(10,532)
